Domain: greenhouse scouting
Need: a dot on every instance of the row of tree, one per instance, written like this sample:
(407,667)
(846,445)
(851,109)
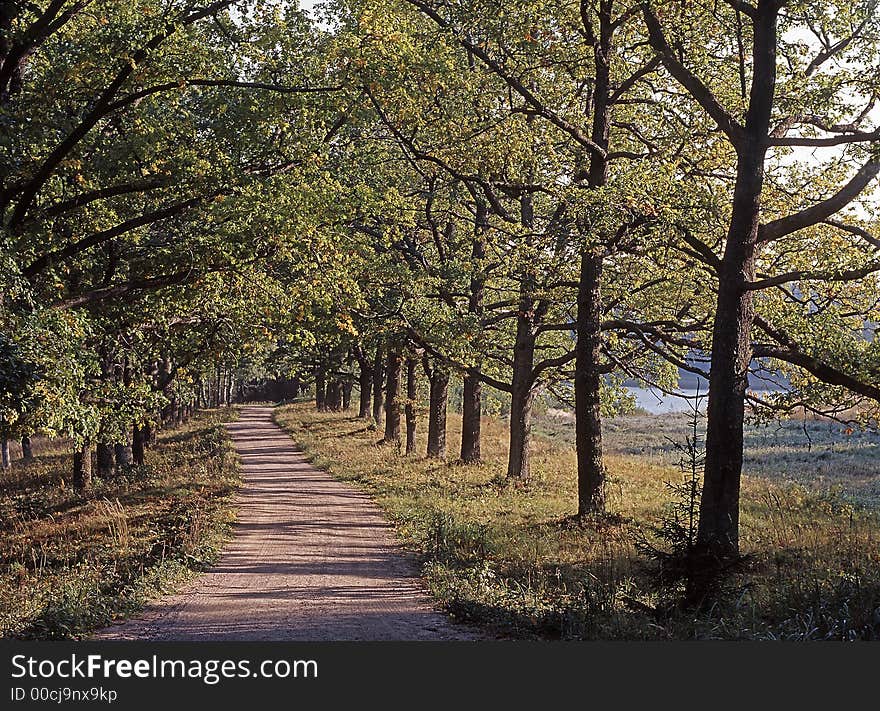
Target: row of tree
(542,199)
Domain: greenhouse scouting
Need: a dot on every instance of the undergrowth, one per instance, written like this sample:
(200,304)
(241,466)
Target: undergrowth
(70,564)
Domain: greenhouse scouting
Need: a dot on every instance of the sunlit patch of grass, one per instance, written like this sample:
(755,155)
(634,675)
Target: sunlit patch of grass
(70,563)
(511,556)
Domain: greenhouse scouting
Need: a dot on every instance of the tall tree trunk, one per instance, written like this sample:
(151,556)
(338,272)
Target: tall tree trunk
(392,397)
(27,451)
(718,529)
(521,398)
(333,400)
(471,417)
(347,386)
(410,409)
(378,383)
(587,387)
(472,400)
(365,383)
(137,446)
(82,468)
(522,390)
(104,460)
(588,348)
(438,398)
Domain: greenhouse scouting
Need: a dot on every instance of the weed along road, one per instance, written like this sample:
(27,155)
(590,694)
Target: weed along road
(311,558)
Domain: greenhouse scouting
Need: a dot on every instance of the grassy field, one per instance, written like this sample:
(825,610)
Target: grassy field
(70,564)
(820,454)
(511,557)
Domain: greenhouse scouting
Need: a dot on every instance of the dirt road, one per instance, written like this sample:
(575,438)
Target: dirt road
(311,558)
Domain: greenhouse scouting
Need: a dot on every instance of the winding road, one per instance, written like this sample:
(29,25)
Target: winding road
(311,558)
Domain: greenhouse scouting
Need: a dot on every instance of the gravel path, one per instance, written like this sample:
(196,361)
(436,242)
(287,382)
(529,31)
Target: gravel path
(311,558)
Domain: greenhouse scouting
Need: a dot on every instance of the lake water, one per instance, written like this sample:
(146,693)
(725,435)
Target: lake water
(658,403)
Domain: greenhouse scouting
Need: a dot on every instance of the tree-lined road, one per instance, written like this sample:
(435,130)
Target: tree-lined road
(311,558)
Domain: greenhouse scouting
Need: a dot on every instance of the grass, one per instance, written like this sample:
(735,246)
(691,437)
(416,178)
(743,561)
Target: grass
(511,558)
(819,454)
(70,564)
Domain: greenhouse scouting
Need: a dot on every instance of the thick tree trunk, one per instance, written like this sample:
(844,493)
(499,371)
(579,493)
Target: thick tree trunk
(718,530)
(137,446)
(438,377)
(521,398)
(471,418)
(522,390)
(378,383)
(104,460)
(392,397)
(333,400)
(27,451)
(472,396)
(82,468)
(122,452)
(588,348)
(347,387)
(410,410)
(365,384)
(587,383)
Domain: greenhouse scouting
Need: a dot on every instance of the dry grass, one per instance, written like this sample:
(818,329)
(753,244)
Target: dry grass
(511,557)
(71,563)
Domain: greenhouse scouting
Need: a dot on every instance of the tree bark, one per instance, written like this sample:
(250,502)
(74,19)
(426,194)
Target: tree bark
(392,397)
(718,530)
(410,409)
(333,401)
(521,398)
(588,347)
(522,390)
(137,446)
(471,418)
(82,468)
(104,460)
(587,387)
(5,460)
(378,383)
(438,378)
(365,383)
(122,451)
(347,386)
(27,452)
(472,402)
